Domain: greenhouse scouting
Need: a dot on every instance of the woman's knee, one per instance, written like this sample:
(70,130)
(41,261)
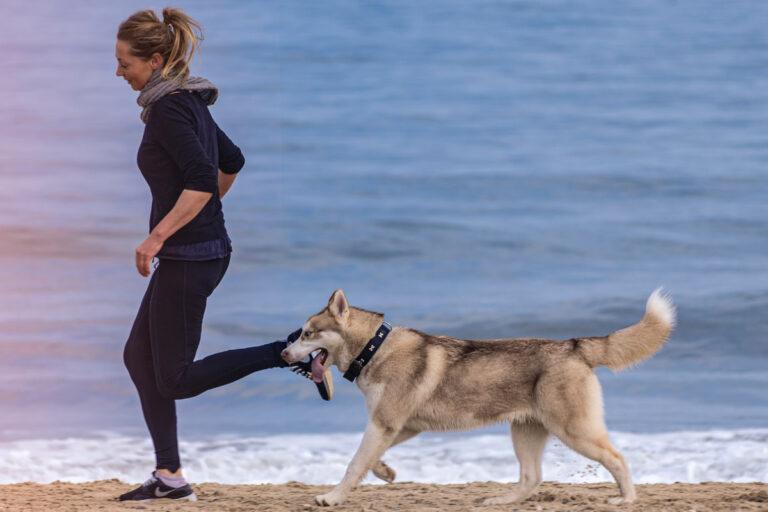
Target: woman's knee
(138,362)
(166,386)
(172,388)
(130,358)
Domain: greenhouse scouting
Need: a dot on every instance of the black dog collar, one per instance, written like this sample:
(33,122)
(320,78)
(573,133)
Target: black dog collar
(365,356)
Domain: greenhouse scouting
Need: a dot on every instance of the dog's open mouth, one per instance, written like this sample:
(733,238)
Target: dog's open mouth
(318,365)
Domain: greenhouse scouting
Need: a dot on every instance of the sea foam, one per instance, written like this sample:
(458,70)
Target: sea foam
(735,456)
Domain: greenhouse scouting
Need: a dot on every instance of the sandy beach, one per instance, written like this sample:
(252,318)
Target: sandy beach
(402,497)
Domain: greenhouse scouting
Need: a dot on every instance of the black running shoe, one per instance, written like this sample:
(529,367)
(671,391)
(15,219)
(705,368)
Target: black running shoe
(304,368)
(154,489)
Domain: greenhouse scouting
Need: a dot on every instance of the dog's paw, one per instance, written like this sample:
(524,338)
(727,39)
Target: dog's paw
(329,500)
(384,472)
(620,500)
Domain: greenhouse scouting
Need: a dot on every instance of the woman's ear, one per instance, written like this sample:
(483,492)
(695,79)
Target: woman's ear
(156,61)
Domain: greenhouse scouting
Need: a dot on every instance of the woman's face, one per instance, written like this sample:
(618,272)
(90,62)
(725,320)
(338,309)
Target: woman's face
(135,70)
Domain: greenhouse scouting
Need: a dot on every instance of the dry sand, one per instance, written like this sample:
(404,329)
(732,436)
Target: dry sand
(95,496)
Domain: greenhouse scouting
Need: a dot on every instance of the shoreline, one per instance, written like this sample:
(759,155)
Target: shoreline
(295,496)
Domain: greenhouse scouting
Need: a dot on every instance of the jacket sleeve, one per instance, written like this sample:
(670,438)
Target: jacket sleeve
(231,159)
(174,130)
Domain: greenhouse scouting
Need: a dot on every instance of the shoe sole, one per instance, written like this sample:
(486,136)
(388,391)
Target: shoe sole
(328,381)
(191,497)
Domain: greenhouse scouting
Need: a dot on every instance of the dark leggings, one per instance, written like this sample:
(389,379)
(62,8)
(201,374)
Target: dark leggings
(160,350)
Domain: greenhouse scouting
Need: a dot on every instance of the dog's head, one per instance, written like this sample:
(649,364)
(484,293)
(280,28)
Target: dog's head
(324,333)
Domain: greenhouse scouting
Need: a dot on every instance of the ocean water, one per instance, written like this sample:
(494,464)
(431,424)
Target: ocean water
(478,169)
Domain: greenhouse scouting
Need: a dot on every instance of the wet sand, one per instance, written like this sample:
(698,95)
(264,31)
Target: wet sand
(402,497)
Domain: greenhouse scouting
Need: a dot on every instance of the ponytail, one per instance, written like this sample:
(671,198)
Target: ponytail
(185,34)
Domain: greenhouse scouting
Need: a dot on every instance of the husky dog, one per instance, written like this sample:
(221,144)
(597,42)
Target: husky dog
(418,382)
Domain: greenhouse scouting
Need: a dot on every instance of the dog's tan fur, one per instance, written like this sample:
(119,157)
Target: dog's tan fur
(418,382)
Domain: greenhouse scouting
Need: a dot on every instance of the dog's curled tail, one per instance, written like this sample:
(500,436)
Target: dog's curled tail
(635,343)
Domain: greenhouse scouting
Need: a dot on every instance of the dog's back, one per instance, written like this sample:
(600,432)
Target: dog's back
(445,383)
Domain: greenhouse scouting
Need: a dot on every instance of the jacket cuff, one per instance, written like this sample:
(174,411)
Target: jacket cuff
(233,166)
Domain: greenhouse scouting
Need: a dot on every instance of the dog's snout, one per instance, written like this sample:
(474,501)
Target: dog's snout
(284,355)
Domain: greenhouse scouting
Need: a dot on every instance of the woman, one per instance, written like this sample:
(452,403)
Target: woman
(189,164)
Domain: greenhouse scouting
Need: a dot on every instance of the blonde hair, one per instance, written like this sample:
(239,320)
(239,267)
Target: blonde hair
(176,38)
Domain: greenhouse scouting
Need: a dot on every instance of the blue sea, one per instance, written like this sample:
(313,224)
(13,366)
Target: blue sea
(477,169)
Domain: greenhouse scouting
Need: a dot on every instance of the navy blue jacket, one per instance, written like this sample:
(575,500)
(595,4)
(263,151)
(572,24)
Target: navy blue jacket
(183,148)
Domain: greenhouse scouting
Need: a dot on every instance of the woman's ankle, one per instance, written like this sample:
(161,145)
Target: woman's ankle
(168,474)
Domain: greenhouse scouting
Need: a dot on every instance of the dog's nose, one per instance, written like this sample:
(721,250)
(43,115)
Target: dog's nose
(284,355)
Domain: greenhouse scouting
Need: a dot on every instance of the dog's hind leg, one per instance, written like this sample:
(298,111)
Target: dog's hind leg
(375,442)
(575,415)
(597,447)
(380,468)
(529,439)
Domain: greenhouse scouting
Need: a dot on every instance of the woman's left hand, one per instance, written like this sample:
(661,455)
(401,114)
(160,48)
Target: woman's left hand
(145,252)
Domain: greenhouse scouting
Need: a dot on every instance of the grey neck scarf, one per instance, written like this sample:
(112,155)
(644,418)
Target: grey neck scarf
(157,87)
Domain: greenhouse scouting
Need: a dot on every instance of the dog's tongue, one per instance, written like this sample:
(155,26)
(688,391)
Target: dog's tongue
(318,366)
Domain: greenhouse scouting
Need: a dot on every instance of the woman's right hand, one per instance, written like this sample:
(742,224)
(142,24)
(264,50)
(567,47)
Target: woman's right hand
(147,250)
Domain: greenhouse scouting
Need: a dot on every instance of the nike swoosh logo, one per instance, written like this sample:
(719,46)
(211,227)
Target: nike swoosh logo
(161,494)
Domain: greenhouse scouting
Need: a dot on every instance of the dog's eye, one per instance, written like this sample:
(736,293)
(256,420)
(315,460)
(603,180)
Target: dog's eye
(308,334)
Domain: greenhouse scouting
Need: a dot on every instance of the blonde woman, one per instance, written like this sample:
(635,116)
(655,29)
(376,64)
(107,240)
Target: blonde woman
(189,164)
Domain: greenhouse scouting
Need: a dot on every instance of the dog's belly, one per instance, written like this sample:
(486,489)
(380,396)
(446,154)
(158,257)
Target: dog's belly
(470,397)
(453,416)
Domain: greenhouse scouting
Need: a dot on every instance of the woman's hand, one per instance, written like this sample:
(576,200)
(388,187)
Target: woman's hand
(145,252)
(187,206)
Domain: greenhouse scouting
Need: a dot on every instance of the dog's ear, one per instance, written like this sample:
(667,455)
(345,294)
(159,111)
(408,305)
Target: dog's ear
(338,305)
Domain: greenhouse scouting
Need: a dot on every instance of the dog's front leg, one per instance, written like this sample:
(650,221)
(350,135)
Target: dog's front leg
(375,442)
